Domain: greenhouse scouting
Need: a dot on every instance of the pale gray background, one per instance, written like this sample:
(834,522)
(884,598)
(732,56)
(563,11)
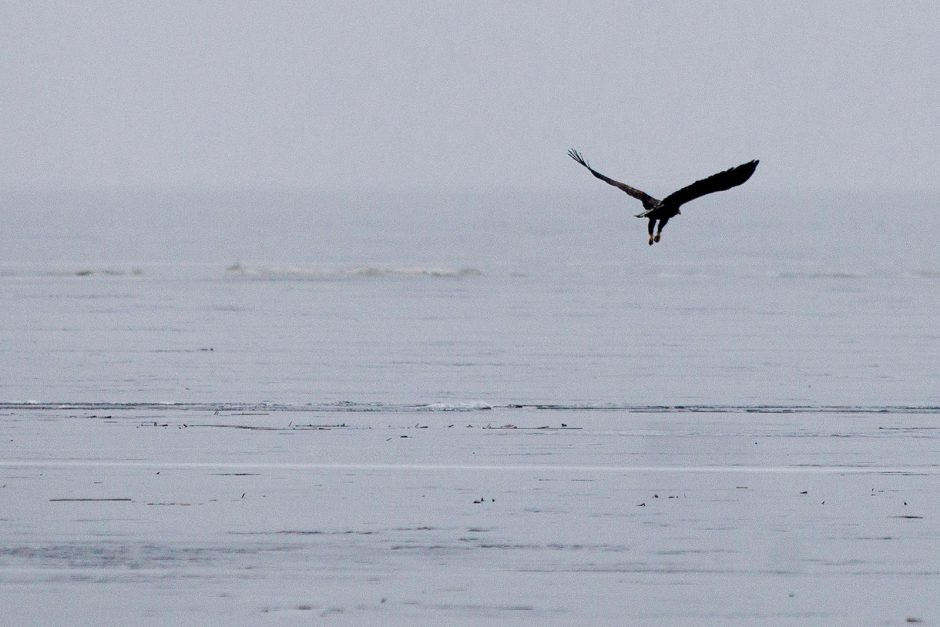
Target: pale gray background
(838,95)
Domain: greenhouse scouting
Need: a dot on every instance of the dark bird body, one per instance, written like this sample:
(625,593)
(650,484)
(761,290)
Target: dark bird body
(659,212)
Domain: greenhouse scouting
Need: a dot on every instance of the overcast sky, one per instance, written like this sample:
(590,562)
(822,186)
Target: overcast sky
(168,94)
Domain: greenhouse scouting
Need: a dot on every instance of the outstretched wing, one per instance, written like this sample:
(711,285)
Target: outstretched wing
(648,201)
(714,183)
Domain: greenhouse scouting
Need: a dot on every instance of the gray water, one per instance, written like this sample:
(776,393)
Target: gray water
(496,297)
(466,407)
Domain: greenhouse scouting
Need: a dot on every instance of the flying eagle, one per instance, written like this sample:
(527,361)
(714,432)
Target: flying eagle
(662,210)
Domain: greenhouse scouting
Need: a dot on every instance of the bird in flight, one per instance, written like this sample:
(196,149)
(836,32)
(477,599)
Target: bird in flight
(659,212)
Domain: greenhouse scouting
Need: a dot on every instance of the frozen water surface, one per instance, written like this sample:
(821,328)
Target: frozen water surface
(402,515)
(458,409)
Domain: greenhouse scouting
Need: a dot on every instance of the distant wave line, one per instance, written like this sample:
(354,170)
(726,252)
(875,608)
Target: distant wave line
(78,271)
(301,273)
(339,272)
(357,407)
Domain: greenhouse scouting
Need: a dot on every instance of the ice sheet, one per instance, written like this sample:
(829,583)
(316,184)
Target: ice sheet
(190,515)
